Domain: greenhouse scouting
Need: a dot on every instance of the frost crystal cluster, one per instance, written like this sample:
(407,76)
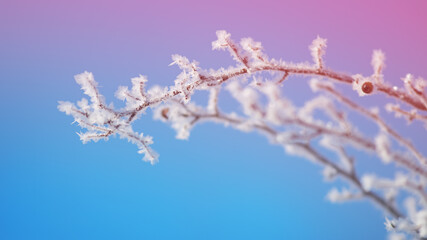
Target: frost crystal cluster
(298,129)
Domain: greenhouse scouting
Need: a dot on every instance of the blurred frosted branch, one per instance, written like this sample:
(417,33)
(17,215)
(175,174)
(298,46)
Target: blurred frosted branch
(298,129)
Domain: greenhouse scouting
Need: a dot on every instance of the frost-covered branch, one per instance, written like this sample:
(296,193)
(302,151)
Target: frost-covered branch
(318,126)
(373,115)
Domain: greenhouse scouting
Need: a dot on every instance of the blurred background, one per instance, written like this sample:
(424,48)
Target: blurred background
(221,183)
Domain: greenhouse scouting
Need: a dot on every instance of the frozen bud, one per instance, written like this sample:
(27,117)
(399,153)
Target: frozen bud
(183,63)
(390,225)
(420,84)
(374,110)
(369,181)
(335,196)
(66,107)
(149,155)
(400,224)
(250,45)
(329,173)
(284,137)
(362,85)
(409,78)
(253,48)
(390,194)
(318,49)
(367,87)
(84,137)
(378,59)
(183,132)
(83,104)
(389,107)
(121,93)
(401,180)
(222,41)
(89,86)
(164,113)
(412,86)
(139,80)
(157,91)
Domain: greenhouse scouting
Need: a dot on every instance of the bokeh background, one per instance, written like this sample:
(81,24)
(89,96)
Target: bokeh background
(221,184)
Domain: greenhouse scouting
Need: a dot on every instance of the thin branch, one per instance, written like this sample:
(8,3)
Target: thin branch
(377,120)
